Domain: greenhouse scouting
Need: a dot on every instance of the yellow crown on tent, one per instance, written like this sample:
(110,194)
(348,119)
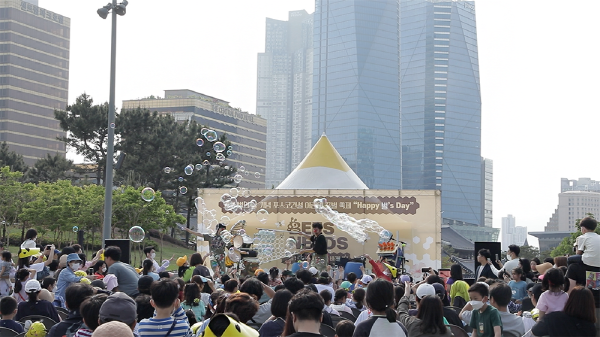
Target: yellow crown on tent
(27,252)
(392,269)
(37,329)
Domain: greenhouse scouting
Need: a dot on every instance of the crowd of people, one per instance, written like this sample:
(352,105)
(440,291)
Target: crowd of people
(521,298)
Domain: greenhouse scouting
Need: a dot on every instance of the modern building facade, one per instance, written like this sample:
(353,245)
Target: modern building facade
(355,99)
(284,93)
(573,205)
(487,192)
(512,234)
(34,77)
(247,132)
(440,104)
(581,184)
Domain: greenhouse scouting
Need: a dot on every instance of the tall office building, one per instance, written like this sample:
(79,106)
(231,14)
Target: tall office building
(581,184)
(487,191)
(356,85)
(284,93)
(34,75)
(512,234)
(440,105)
(246,132)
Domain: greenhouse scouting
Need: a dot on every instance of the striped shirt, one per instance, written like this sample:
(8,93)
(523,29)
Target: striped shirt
(153,327)
(83,332)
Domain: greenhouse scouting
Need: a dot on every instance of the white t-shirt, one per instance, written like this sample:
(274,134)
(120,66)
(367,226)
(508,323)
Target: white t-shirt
(510,265)
(589,243)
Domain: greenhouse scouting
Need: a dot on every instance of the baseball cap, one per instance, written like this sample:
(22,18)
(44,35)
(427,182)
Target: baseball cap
(439,290)
(181,261)
(425,290)
(346,285)
(73,257)
(118,307)
(32,286)
(366,279)
(313,270)
(287,273)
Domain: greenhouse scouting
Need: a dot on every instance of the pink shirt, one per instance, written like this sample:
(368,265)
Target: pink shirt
(550,301)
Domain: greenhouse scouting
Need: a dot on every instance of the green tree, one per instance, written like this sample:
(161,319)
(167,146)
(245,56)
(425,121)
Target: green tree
(11,159)
(529,252)
(566,245)
(86,125)
(50,169)
(13,196)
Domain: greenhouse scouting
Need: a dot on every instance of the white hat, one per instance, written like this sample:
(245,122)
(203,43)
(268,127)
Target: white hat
(425,290)
(313,270)
(32,286)
(366,279)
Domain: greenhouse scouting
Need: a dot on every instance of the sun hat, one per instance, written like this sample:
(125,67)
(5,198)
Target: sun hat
(542,268)
(346,285)
(73,257)
(181,261)
(366,279)
(425,290)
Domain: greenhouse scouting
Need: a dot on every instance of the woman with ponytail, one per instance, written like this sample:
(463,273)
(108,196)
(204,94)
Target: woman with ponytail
(21,277)
(35,305)
(380,300)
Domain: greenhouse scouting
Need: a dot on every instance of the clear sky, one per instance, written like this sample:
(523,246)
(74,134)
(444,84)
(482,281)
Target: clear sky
(538,65)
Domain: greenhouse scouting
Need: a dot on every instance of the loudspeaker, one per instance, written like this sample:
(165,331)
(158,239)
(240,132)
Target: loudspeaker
(493,247)
(125,246)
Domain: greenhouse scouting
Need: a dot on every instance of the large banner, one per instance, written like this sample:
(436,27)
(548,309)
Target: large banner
(413,217)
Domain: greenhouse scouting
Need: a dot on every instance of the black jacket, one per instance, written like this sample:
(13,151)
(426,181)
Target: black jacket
(487,272)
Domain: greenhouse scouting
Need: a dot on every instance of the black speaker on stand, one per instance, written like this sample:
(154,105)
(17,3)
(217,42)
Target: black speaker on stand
(125,246)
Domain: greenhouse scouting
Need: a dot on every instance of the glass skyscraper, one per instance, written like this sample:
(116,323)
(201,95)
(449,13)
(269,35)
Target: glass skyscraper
(356,86)
(440,104)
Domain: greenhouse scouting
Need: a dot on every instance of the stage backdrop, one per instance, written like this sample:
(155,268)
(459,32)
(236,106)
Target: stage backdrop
(413,216)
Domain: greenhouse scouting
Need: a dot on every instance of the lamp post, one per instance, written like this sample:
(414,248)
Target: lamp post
(110,148)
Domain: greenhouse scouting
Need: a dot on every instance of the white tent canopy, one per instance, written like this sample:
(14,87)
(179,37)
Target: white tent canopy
(322,168)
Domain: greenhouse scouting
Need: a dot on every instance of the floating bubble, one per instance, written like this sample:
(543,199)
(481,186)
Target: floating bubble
(199,203)
(237,178)
(203,131)
(268,251)
(230,147)
(198,167)
(229,152)
(112,125)
(305,264)
(257,175)
(242,232)
(199,142)
(208,154)
(231,250)
(211,135)
(262,215)
(219,147)
(180,179)
(234,192)
(242,169)
(167,170)
(205,163)
(247,207)
(246,173)
(226,167)
(220,157)
(233,257)
(183,190)
(246,193)
(167,212)
(385,234)
(136,234)
(225,220)
(290,243)
(189,170)
(75,229)
(287,253)
(225,198)
(148,194)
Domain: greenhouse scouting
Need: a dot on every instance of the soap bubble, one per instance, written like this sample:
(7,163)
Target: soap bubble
(305,264)
(199,142)
(229,152)
(257,175)
(225,220)
(219,147)
(211,135)
(231,250)
(189,170)
(205,163)
(287,253)
(242,168)
(268,251)
(242,232)
(237,178)
(233,256)
(208,154)
(234,192)
(246,173)
(290,243)
(148,194)
(225,198)
(262,215)
(198,167)
(199,202)
(183,190)
(112,125)
(220,157)
(167,170)
(75,229)
(203,131)
(385,234)
(136,234)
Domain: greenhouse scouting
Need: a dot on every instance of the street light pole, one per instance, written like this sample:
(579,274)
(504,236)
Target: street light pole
(110,148)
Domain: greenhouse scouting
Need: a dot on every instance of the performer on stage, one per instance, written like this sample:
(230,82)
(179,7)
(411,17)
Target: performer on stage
(318,247)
